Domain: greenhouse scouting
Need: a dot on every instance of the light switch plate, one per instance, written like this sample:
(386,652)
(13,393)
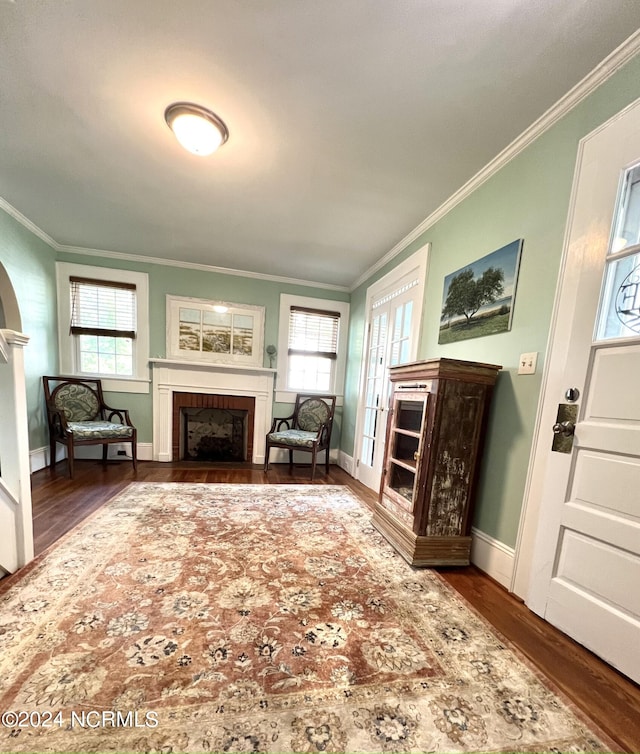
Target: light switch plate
(527,363)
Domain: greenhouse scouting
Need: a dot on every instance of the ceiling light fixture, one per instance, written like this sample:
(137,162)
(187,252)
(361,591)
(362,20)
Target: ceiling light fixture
(198,130)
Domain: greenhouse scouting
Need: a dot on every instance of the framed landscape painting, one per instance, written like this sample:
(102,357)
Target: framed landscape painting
(214,331)
(478,299)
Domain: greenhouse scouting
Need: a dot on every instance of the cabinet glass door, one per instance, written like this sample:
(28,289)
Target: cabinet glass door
(404,447)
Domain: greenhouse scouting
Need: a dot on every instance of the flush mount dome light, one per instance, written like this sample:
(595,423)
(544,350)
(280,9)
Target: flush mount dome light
(198,130)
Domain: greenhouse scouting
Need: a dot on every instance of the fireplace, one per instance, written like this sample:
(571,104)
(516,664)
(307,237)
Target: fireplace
(215,386)
(212,427)
(213,434)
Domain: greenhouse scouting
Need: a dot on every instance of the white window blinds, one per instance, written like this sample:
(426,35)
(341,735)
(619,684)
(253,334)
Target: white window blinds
(313,332)
(102,307)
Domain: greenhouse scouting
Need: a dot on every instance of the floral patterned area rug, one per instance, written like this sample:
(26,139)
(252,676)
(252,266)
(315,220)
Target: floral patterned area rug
(196,618)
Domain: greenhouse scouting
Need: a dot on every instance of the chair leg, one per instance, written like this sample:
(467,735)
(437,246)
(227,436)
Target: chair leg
(266,457)
(290,461)
(134,453)
(313,465)
(326,461)
(70,458)
(52,451)
(105,453)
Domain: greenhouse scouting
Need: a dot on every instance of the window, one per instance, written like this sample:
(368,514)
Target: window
(103,325)
(311,346)
(103,319)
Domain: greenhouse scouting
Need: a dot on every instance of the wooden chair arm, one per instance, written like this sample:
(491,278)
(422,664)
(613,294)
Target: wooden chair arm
(278,421)
(122,413)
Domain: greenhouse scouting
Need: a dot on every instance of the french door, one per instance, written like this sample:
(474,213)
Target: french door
(391,339)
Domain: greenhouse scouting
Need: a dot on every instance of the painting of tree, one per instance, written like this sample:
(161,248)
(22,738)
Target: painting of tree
(478,299)
(468,293)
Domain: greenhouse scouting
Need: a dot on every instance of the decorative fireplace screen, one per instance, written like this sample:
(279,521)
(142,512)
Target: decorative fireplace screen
(208,427)
(214,434)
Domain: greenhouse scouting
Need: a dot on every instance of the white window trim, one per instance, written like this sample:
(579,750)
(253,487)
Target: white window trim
(140,381)
(287,395)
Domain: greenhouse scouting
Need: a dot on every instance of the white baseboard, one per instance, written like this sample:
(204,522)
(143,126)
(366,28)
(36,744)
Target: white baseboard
(39,458)
(145,451)
(346,462)
(493,557)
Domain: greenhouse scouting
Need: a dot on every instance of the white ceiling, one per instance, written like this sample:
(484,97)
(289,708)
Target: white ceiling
(350,120)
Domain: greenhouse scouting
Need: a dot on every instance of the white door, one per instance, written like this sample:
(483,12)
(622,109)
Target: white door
(586,564)
(394,307)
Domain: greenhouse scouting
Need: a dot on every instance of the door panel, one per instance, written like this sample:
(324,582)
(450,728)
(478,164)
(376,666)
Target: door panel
(586,562)
(615,379)
(601,525)
(607,481)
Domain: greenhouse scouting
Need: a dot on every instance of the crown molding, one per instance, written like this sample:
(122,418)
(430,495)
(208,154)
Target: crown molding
(603,71)
(196,266)
(105,254)
(25,222)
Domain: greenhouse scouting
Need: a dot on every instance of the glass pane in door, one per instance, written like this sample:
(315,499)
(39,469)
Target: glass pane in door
(401,334)
(620,310)
(619,315)
(627,220)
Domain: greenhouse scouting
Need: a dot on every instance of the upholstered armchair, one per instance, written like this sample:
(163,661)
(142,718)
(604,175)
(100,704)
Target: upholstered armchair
(308,429)
(78,415)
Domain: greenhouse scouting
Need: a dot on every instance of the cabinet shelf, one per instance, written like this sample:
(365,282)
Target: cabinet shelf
(407,432)
(406,463)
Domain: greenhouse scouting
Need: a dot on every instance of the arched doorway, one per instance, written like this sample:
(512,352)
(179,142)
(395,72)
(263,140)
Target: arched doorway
(10,318)
(16,525)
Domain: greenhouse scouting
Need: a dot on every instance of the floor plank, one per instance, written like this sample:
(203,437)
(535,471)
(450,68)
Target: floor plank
(604,695)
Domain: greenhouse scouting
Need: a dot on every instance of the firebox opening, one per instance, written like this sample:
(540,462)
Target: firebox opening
(213,434)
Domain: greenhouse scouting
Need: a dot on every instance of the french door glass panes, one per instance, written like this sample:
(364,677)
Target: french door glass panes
(374,385)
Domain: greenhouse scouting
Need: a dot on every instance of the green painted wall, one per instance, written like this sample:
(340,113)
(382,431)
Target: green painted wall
(529,199)
(178,281)
(30,264)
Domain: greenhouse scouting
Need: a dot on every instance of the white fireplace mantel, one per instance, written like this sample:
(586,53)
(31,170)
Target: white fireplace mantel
(172,375)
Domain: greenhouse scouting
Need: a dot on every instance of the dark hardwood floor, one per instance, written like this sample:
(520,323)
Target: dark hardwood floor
(605,696)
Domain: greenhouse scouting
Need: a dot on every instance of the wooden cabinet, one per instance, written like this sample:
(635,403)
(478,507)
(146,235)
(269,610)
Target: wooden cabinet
(437,418)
